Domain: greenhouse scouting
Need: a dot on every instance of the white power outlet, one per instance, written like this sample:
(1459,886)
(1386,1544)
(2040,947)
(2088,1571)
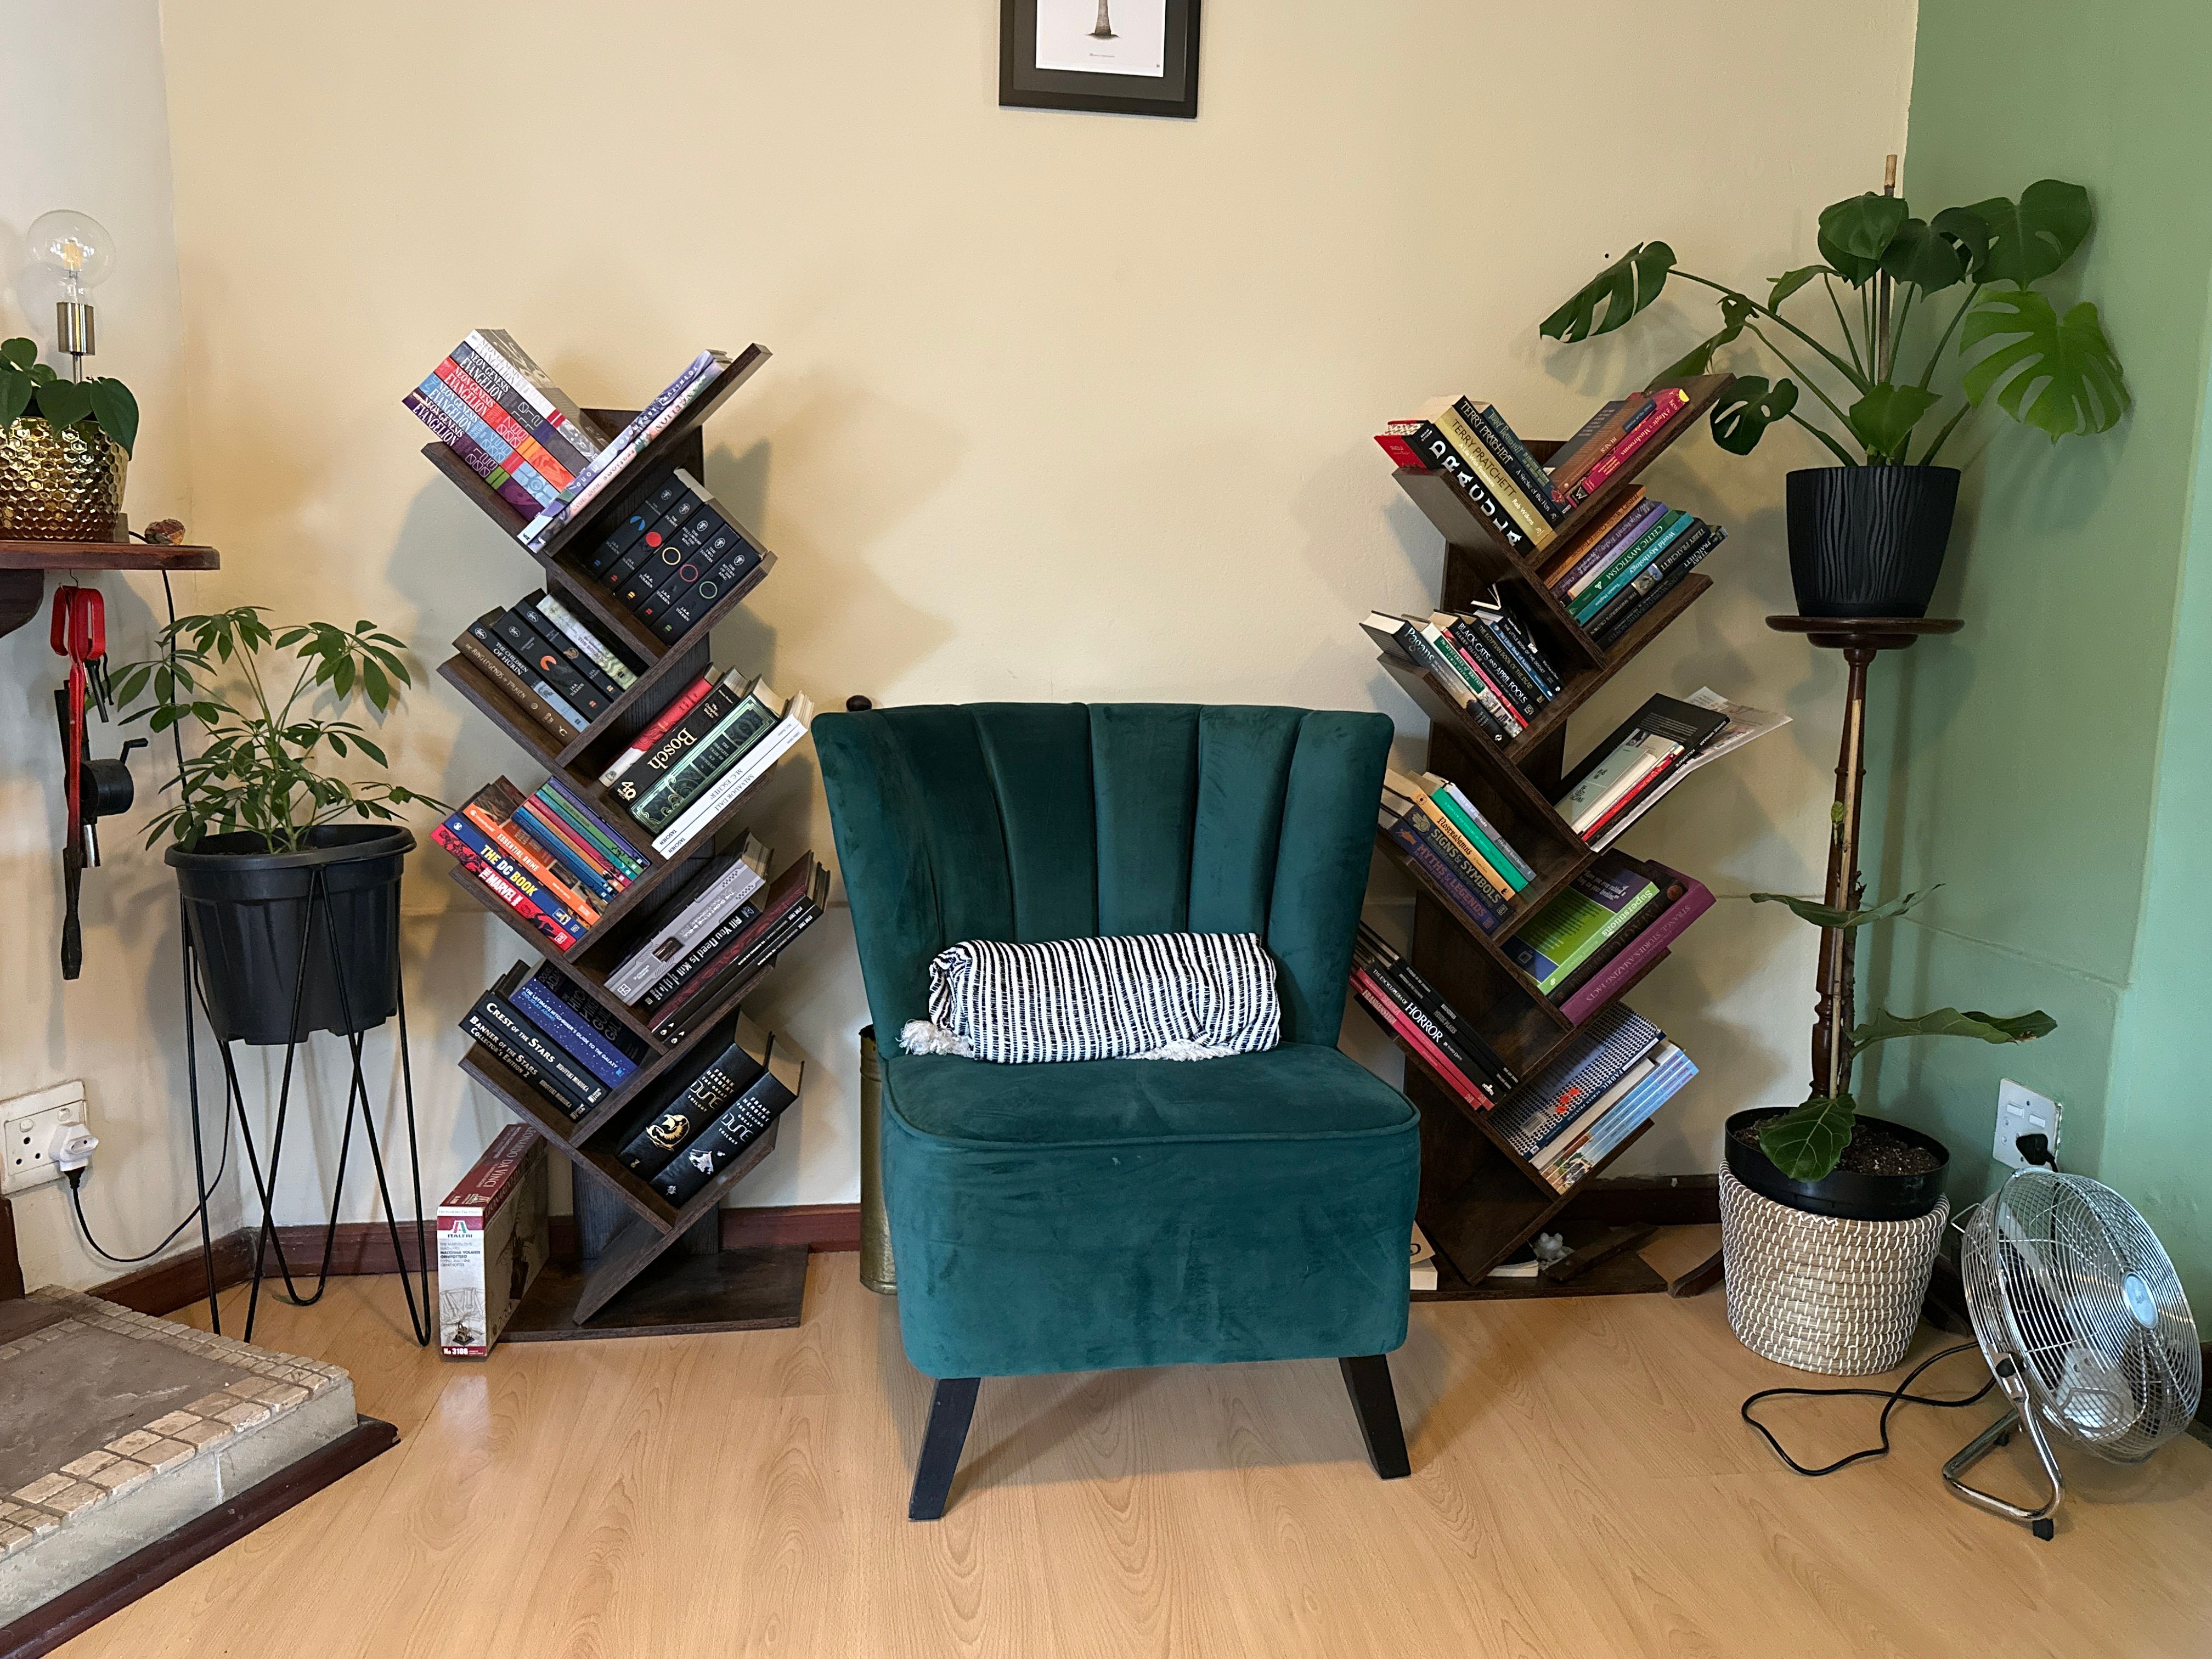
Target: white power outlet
(32,1130)
(2023,1112)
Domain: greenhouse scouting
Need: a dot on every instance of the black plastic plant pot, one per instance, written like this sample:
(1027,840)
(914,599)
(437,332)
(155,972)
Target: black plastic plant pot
(251,911)
(1854,1196)
(1868,541)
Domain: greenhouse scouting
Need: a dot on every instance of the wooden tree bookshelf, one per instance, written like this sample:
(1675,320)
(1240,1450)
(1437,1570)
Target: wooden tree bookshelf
(1481,1200)
(640,1282)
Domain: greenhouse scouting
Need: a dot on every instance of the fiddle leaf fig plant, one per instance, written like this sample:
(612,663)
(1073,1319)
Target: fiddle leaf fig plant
(30,389)
(2051,370)
(258,770)
(1807,1142)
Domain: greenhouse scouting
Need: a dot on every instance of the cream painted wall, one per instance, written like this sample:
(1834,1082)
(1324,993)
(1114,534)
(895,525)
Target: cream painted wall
(82,125)
(1063,406)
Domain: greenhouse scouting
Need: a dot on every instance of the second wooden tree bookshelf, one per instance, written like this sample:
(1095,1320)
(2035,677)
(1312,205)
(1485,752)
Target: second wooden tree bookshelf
(661,1269)
(1481,1200)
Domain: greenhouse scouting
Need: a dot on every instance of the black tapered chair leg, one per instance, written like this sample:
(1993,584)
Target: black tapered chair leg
(1367,1380)
(950,1409)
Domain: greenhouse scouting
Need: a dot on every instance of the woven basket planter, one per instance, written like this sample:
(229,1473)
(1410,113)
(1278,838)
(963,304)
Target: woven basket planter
(1821,1292)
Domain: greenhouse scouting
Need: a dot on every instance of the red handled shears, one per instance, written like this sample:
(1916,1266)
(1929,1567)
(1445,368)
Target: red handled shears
(80,633)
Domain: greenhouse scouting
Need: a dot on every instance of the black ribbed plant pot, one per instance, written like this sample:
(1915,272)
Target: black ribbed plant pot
(1853,1196)
(248,910)
(1868,541)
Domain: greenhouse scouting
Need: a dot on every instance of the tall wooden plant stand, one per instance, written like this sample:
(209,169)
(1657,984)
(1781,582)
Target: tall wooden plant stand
(1481,1200)
(657,1268)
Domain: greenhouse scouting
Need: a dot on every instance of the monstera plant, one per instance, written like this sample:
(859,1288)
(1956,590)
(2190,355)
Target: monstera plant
(1807,1142)
(1926,321)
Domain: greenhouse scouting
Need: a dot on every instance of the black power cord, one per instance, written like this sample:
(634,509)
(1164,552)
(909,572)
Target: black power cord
(1893,1398)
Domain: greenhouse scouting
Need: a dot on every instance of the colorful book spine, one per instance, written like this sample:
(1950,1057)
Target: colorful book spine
(1406,1023)
(1444,460)
(458,436)
(515,899)
(1641,1105)
(1446,866)
(596,649)
(601,833)
(1499,665)
(552,449)
(1626,553)
(1492,700)
(1652,942)
(1601,593)
(1570,459)
(559,1022)
(480,432)
(1667,402)
(550,1058)
(1623,613)
(1467,441)
(1513,871)
(551,832)
(573,433)
(526,852)
(643,780)
(1623,531)
(611,461)
(514,434)
(495,857)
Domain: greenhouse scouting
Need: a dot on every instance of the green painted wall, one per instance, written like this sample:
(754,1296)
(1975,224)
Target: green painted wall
(2029,763)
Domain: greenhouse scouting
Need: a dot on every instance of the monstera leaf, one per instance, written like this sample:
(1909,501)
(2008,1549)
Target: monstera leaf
(2031,238)
(1924,256)
(2065,362)
(1735,312)
(1790,280)
(1854,233)
(1623,288)
(1806,1142)
(1970,233)
(1822,915)
(1950,1022)
(1747,408)
(1884,417)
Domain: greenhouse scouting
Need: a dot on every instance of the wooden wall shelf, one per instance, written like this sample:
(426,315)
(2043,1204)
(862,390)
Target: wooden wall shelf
(1481,1201)
(24,565)
(647,1278)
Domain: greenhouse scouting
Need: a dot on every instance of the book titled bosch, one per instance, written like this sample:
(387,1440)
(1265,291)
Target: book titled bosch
(669,1124)
(727,1138)
(639,778)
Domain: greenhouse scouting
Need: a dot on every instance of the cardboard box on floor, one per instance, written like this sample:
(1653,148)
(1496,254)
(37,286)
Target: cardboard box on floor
(493,1238)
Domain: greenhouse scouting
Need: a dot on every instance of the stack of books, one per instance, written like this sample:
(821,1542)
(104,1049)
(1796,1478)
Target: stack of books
(616,456)
(1612,1077)
(550,662)
(1486,659)
(1627,774)
(546,1029)
(1410,1008)
(721,928)
(709,745)
(1445,833)
(699,1124)
(1471,445)
(673,554)
(1584,947)
(1619,565)
(496,409)
(546,856)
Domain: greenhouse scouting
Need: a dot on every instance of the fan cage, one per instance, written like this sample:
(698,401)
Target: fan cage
(2051,1265)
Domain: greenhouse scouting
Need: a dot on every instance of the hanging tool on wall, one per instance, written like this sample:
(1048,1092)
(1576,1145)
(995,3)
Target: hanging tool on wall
(91,789)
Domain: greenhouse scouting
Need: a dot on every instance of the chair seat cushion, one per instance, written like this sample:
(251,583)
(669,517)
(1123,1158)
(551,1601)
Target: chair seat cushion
(1145,1213)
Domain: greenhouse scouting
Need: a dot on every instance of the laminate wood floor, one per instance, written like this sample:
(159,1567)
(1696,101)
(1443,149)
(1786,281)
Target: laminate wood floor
(1580,1485)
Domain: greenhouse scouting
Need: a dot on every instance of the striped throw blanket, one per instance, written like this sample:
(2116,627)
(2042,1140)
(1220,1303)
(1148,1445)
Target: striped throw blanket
(1166,996)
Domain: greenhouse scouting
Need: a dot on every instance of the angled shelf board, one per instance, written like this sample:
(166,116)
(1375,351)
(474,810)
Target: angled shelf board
(1481,1200)
(24,565)
(659,1271)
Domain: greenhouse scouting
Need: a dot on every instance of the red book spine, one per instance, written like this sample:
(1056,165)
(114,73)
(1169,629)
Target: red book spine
(1640,952)
(1395,1020)
(520,445)
(663,724)
(512,845)
(1668,402)
(504,890)
(1400,448)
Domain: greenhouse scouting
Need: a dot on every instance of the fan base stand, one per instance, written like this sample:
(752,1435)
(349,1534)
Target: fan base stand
(2000,1433)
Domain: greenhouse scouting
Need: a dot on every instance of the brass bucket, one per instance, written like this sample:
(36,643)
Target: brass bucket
(59,484)
(877,1271)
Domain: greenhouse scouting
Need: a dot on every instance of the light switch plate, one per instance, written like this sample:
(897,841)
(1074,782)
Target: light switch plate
(2023,1112)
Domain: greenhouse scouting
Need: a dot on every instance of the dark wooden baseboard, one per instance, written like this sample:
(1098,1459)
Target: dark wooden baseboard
(77,1610)
(365,1247)
(1684,1200)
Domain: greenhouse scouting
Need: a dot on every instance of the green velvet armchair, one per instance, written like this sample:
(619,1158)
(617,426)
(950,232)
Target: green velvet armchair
(1084,1216)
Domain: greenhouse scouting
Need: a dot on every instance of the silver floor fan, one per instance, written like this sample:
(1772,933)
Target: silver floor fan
(2083,1320)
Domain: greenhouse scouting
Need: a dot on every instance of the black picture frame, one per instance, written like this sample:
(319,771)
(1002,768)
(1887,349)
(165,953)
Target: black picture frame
(1023,85)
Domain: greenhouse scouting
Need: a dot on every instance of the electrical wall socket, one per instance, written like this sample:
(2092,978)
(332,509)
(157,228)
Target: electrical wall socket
(2023,1112)
(32,1128)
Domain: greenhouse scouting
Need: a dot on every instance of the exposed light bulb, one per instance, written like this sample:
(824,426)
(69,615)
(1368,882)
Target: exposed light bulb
(78,250)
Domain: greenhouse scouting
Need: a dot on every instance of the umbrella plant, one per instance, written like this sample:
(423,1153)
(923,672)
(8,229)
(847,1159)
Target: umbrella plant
(2051,370)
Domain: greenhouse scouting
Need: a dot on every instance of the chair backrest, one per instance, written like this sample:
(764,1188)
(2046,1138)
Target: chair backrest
(1027,822)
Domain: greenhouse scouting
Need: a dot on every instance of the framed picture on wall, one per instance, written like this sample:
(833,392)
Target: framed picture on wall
(1118,56)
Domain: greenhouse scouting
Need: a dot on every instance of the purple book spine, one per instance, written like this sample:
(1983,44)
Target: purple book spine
(1641,951)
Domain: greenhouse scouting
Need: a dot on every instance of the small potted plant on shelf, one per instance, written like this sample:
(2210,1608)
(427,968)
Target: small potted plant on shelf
(1867,536)
(1831,1217)
(260,836)
(65,446)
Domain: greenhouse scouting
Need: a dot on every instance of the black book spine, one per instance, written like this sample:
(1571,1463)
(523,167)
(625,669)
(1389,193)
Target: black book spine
(699,955)
(1437,449)
(709,712)
(725,1139)
(1617,619)
(1378,971)
(1536,485)
(1513,641)
(580,1003)
(579,1083)
(688,607)
(521,1064)
(1528,696)
(668,1130)
(515,627)
(571,653)
(1463,1032)
(703,1004)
